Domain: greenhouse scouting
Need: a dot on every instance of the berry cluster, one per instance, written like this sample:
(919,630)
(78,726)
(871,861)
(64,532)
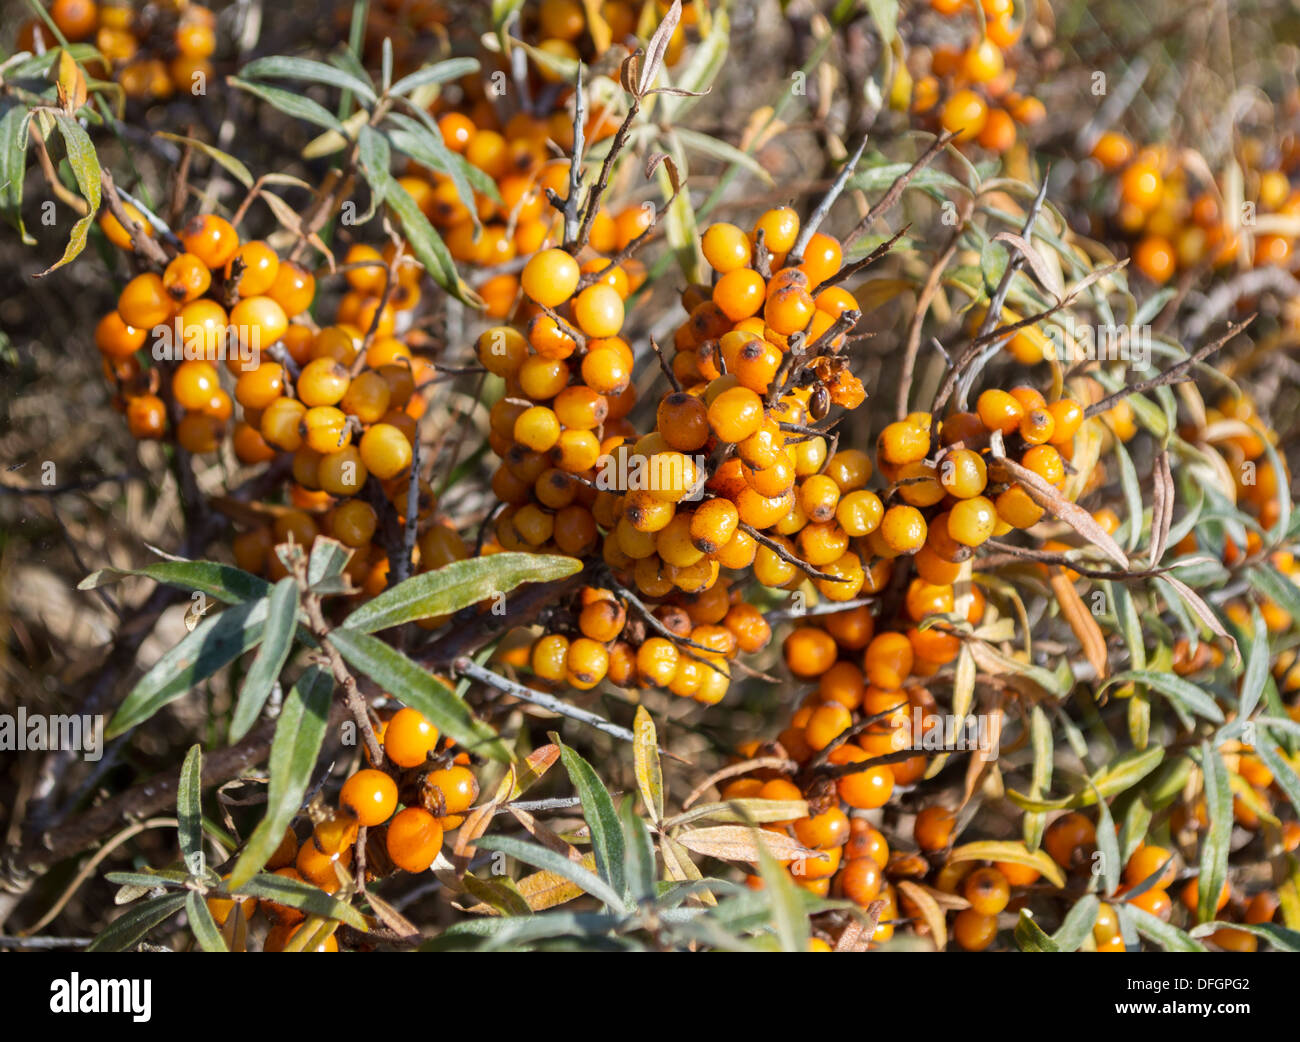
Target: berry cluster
(968,90)
(151,50)
(1177,223)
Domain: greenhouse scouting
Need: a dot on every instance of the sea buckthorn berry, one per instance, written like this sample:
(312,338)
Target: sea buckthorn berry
(370,795)
(963,473)
(964,114)
(146,416)
(211,238)
(933,829)
(145,302)
(735,414)
(548,656)
(779,228)
(1147,861)
(186,278)
(888,661)
(586,664)
(1154,902)
(1142,186)
(973,931)
(987,891)
(198,433)
(116,339)
(354,523)
(789,310)
(257,266)
(385,451)
(859,513)
(293,288)
(740,293)
(971,521)
(1067,417)
(682,420)
(118,234)
(982,62)
(713,525)
(1070,840)
(258,388)
(602,620)
(903,529)
(823,831)
(193,383)
(538,428)
(598,311)
(748,626)
(850,469)
(809,652)
(827,722)
(455,788)
(1017,508)
(819,495)
(550,278)
(725,247)
(901,442)
(413,839)
(1191,893)
(999,411)
(1046,462)
(1037,426)
(256,323)
(656,661)
(821,259)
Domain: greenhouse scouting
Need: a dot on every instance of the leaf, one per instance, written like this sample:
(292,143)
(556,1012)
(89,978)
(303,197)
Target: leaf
(749,810)
(226,583)
(227,162)
(601,816)
(13,168)
(543,890)
(1077,924)
(1119,775)
(723,151)
(1276,587)
(277,642)
(1030,936)
(376,157)
(299,733)
(304,896)
(215,642)
(656,48)
(281,67)
(128,929)
(540,857)
(1081,620)
(1214,849)
(931,912)
(1284,776)
(325,565)
(640,855)
(503,895)
(1046,275)
(649,771)
(1172,687)
(885,14)
(416,687)
(1013,852)
(189,809)
(1193,600)
(85,168)
(1040,738)
(1170,938)
(289,103)
(1257,658)
(438,72)
(427,245)
(1279,937)
(457,585)
(744,843)
(202,924)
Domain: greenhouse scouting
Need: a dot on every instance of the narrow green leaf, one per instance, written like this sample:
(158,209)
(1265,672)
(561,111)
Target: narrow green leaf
(1214,850)
(277,642)
(325,565)
(225,160)
(602,817)
(291,104)
(128,929)
(1077,924)
(1030,937)
(224,582)
(1170,938)
(1257,658)
(551,861)
(438,72)
(457,585)
(416,687)
(1173,687)
(13,168)
(203,925)
(299,733)
(376,157)
(281,67)
(304,896)
(427,245)
(189,809)
(215,642)
(1283,775)
(640,855)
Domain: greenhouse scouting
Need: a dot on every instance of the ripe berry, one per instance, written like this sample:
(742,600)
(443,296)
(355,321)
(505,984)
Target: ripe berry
(413,839)
(933,828)
(550,278)
(370,795)
(210,238)
(385,451)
